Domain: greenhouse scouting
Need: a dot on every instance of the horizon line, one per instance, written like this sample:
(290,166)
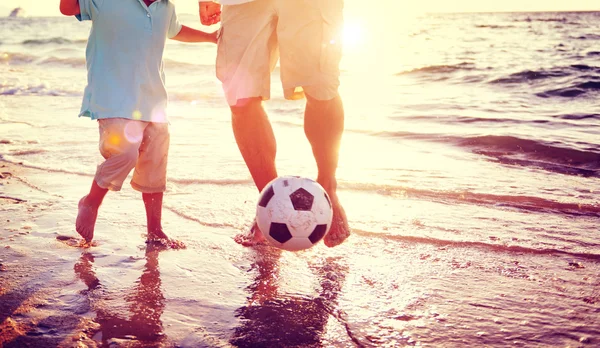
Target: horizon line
(424,12)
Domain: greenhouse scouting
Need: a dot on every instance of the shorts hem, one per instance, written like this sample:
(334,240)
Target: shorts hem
(107,186)
(233,101)
(145,189)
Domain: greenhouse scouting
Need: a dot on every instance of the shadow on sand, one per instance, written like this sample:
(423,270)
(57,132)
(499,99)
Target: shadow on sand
(273,320)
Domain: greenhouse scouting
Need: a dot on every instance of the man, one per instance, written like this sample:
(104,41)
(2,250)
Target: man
(306,36)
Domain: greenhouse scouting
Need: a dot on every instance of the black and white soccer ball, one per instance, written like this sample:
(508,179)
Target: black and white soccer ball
(294,213)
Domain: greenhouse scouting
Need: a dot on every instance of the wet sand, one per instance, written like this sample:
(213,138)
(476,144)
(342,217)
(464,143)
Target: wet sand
(54,292)
(369,292)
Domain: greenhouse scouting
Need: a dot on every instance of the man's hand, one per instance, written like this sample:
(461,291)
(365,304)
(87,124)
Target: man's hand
(210,12)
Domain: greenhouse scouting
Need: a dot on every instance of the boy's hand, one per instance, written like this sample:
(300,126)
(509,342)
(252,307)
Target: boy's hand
(210,12)
(69,7)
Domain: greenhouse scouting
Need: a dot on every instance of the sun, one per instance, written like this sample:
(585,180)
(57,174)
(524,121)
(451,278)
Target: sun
(353,34)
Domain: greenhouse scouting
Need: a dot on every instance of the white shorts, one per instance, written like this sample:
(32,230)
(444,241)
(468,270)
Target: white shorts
(128,144)
(306,35)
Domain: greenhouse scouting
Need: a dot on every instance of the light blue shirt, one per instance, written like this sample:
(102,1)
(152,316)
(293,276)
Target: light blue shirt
(124,58)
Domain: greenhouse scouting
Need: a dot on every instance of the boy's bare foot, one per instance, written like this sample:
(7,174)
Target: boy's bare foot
(159,238)
(340,230)
(86,220)
(251,238)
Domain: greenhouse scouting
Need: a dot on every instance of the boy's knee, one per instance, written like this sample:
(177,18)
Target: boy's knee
(120,147)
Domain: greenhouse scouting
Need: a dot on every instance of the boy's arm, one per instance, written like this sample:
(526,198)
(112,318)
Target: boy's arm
(187,34)
(69,7)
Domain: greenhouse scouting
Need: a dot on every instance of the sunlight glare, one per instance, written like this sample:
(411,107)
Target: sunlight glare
(353,35)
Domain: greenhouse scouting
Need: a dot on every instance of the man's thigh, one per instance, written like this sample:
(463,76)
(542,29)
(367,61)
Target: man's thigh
(247,49)
(310,43)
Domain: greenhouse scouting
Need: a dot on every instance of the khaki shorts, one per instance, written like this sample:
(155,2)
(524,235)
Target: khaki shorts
(128,144)
(306,35)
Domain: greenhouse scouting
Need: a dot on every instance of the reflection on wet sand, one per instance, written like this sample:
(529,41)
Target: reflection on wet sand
(145,300)
(276,320)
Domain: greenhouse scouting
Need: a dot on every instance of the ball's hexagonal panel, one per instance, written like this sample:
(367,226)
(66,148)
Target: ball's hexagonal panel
(318,233)
(301,223)
(280,232)
(302,199)
(266,196)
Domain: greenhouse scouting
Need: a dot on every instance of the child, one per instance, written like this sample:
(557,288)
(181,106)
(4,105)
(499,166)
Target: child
(126,94)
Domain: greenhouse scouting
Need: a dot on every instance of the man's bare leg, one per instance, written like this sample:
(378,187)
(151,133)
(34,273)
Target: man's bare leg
(88,211)
(256,141)
(323,126)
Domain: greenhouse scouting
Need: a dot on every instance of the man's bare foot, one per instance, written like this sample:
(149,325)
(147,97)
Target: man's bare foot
(340,230)
(160,239)
(86,220)
(251,238)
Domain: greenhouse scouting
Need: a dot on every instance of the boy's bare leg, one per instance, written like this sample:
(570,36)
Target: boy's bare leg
(153,204)
(323,126)
(88,211)
(256,141)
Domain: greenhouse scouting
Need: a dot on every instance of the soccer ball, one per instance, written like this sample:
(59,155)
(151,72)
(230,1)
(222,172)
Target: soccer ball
(293,213)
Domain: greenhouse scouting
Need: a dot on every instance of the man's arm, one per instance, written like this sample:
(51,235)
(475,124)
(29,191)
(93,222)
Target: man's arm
(69,7)
(187,34)
(210,12)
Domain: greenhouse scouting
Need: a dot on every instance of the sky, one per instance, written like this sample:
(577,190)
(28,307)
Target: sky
(50,7)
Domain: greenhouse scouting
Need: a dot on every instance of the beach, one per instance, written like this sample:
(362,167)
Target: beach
(469,172)
(413,292)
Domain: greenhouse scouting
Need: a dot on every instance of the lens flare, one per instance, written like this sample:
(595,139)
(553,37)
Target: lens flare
(159,114)
(134,131)
(114,139)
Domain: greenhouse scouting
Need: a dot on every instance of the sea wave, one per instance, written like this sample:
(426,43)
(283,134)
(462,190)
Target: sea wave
(534,153)
(28,152)
(556,157)
(494,121)
(72,62)
(494,26)
(43,168)
(526,76)
(572,91)
(40,89)
(439,69)
(15,58)
(527,203)
(578,116)
(53,40)
(531,75)
(479,245)
(586,37)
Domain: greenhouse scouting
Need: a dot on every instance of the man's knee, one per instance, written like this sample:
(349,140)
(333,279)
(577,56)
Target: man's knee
(246,106)
(333,104)
(315,96)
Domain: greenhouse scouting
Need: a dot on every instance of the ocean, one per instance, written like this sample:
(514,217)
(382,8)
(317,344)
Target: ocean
(469,171)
